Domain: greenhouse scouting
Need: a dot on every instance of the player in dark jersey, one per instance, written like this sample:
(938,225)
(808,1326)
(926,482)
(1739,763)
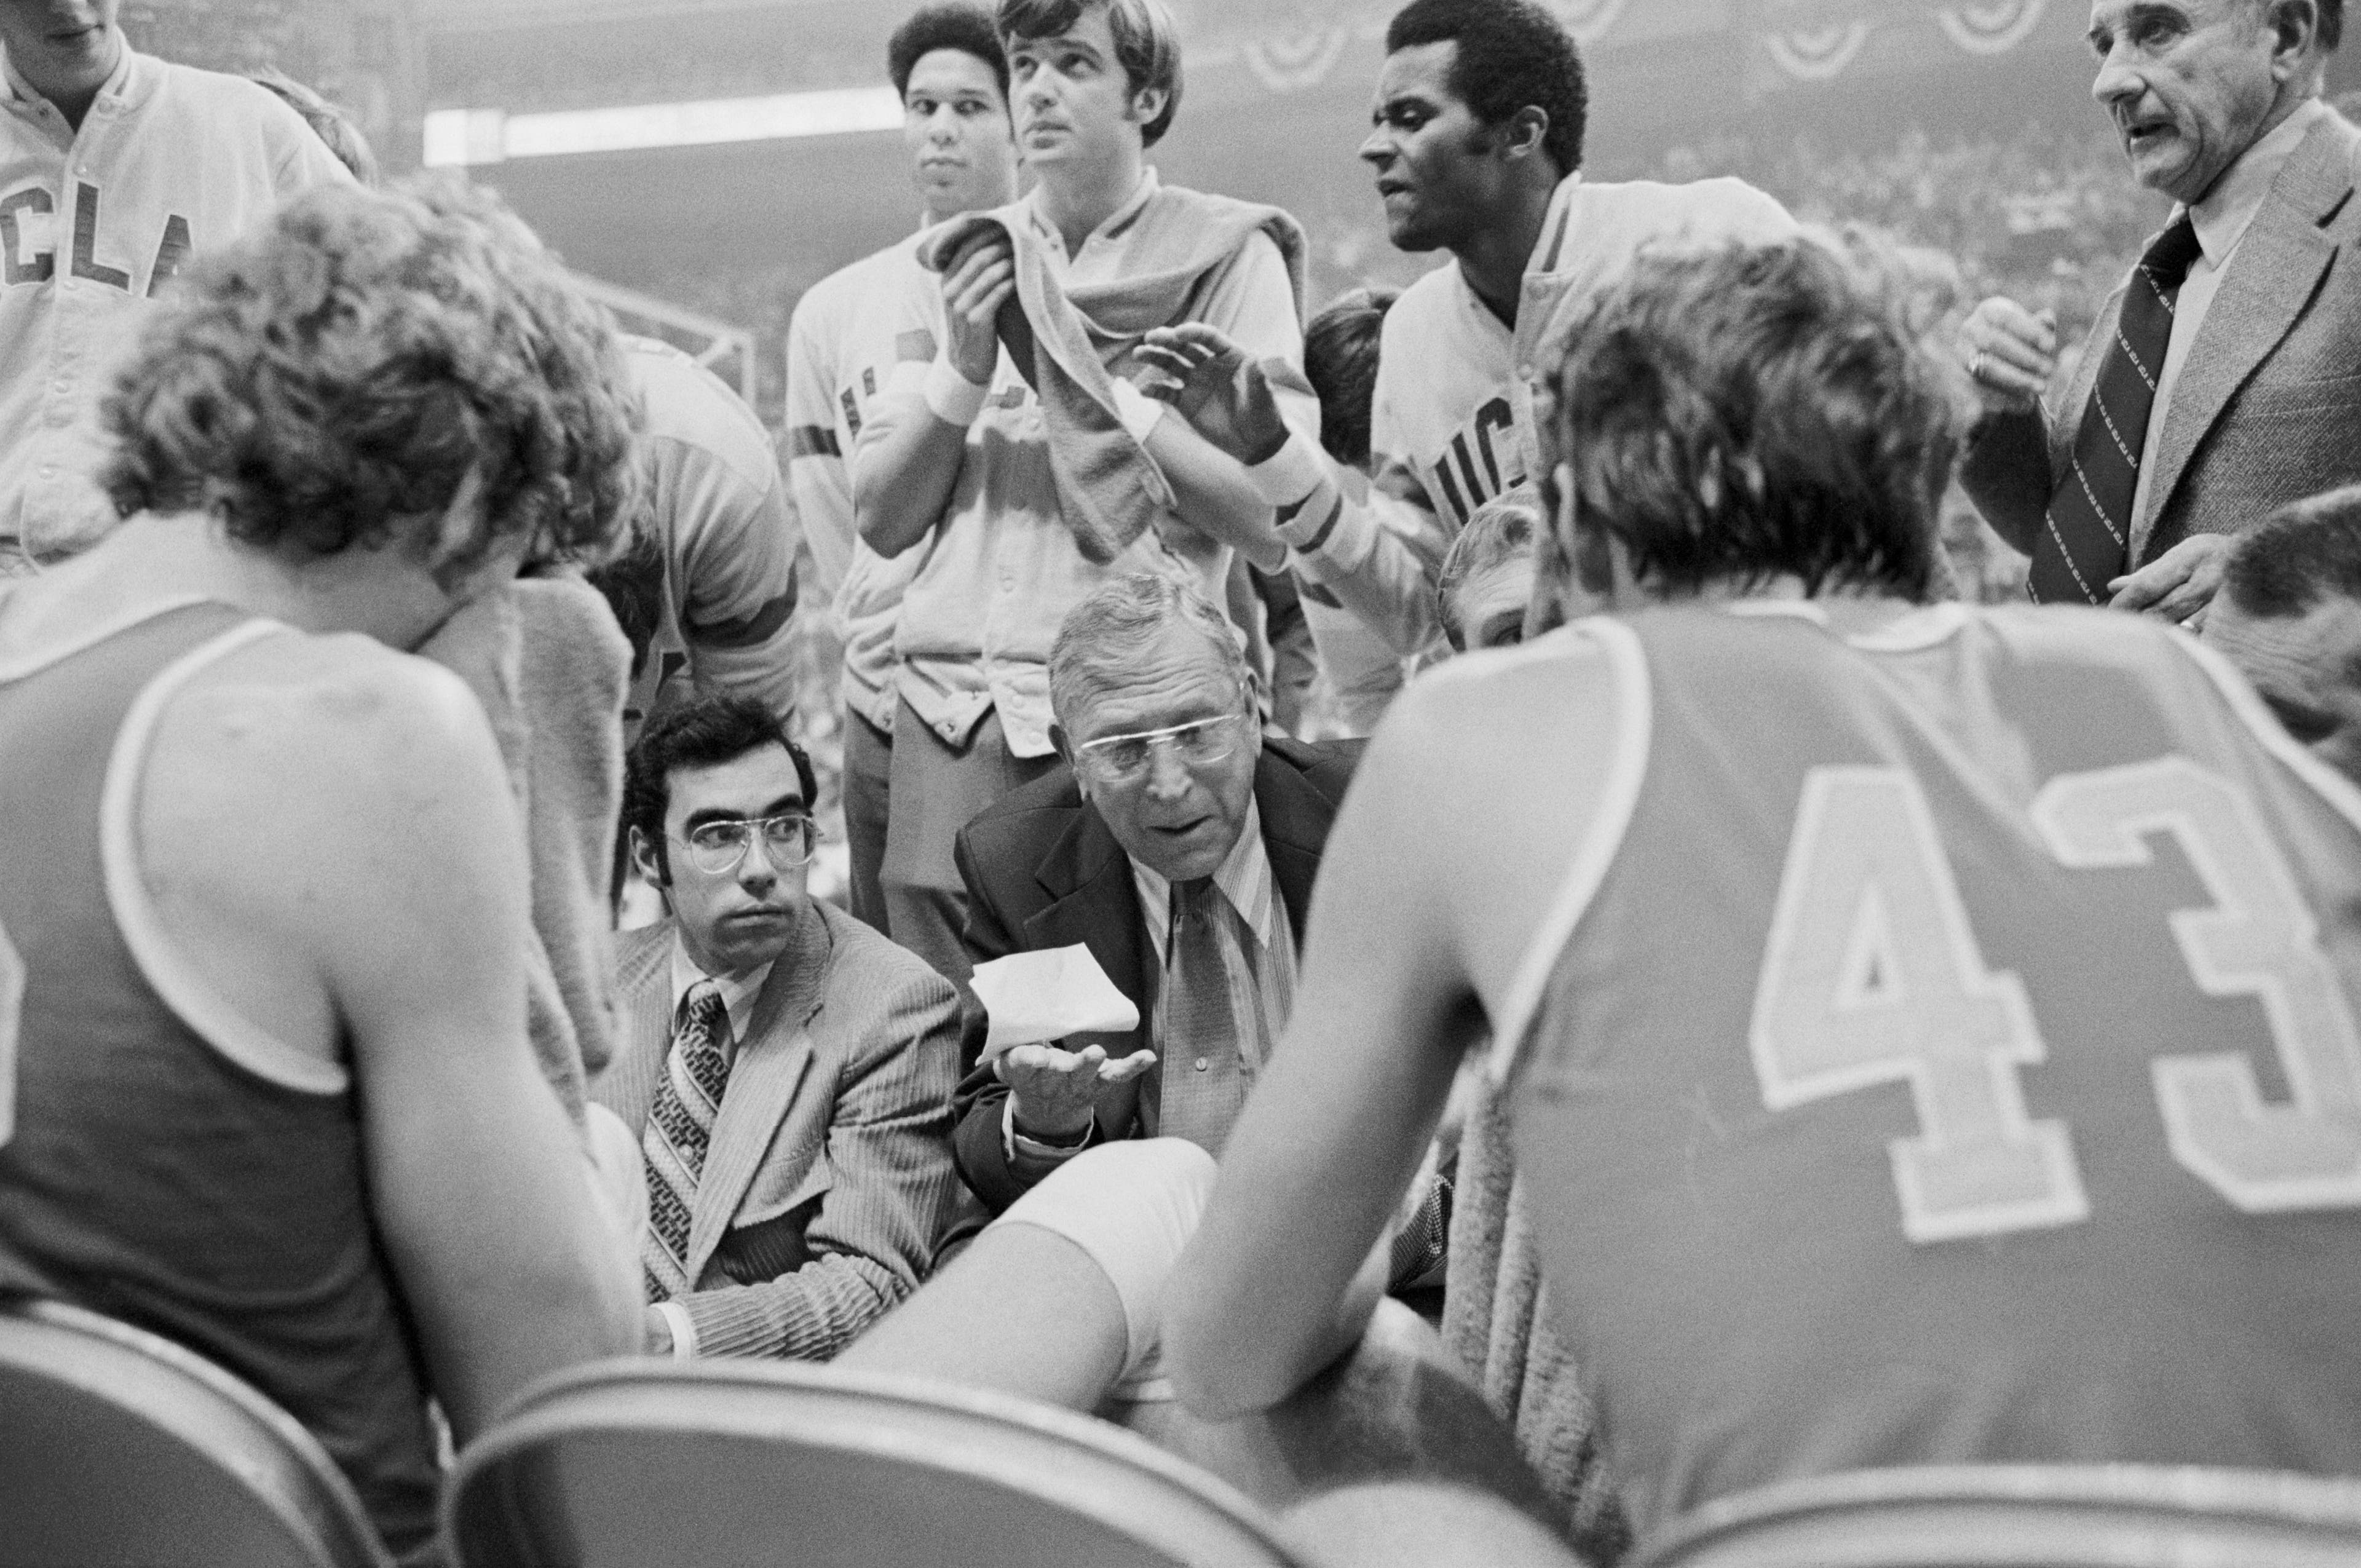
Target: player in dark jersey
(265,1086)
(1930,1031)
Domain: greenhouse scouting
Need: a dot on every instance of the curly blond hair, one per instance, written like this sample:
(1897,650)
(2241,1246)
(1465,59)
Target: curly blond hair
(331,379)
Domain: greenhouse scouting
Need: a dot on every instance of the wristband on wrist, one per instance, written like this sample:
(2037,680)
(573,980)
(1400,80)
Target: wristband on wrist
(1289,475)
(951,397)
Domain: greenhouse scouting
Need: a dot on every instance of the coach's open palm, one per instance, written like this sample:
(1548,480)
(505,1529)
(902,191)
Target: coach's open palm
(1223,394)
(1056,1092)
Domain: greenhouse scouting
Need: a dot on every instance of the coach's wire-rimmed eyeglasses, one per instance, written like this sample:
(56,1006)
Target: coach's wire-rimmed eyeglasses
(718,846)
(1123,759)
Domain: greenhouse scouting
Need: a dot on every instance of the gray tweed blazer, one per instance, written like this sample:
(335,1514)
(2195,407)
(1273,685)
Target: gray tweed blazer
(830,1179)
(2268,408)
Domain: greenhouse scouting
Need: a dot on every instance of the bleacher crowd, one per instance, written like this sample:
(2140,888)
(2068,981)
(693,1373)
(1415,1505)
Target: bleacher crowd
(1752,1014)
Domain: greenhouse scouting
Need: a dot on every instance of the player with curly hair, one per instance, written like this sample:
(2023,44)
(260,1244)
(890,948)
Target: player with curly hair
(262,884)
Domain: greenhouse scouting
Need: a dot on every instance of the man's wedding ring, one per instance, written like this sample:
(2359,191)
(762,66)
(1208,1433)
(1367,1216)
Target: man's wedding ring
(1976,365)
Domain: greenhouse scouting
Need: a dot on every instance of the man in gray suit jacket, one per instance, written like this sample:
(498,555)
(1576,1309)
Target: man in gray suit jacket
(2223,378)
(788,1070)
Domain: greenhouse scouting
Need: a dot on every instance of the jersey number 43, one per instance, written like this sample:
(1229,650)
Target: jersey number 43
(1872,975)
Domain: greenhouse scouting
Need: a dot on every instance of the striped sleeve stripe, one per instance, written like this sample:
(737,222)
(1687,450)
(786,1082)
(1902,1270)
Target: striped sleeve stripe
(749,630)
(1328,526)
(813,441)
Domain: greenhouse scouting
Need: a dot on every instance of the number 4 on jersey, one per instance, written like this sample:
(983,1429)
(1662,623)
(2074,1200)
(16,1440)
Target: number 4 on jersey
(1873,976)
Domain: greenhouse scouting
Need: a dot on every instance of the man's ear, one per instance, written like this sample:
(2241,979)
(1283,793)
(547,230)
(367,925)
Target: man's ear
(645,861)
(2295,28)
(1523,132)
(1149,103)
(1065,749)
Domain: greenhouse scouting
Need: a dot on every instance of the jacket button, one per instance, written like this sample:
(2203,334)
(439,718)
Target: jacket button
(1203,1064)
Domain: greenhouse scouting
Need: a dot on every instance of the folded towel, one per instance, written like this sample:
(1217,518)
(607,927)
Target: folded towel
(1069,343)
(548,665)
(1496,1323)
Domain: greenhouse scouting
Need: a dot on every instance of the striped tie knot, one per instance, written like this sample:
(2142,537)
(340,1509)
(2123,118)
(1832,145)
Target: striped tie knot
(2171,254)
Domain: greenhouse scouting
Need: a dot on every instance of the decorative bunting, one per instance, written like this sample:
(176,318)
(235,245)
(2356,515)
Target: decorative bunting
(1289,63)
(1818,54)
(1991,26)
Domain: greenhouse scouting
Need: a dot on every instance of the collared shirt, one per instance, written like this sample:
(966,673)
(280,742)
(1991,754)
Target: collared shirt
(1257,947)
(1002,567)
(840,354)
(170,161)
(1260,957)
(2222,217)
(738,993)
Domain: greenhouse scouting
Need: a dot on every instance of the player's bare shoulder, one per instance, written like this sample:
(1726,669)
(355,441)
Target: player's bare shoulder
(1515,707)
(293,722)
(302,773)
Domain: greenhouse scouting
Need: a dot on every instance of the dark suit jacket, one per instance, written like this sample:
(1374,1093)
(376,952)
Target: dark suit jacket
(1042,870)
(2268,404)
(828,1181)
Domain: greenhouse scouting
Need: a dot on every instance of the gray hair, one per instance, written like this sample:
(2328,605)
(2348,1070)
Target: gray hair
(1501,530)
(1101,637)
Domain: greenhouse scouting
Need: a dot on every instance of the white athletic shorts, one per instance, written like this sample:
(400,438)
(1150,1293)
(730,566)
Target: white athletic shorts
(1132,1206)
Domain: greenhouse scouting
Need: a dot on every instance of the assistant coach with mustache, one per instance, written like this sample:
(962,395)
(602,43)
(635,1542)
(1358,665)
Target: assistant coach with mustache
(2223,375)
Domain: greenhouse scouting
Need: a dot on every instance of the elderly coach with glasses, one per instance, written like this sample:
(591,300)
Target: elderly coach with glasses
(788,1070)
(1180,846)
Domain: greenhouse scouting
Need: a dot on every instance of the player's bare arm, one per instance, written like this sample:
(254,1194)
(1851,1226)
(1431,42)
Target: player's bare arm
(1212,494)
(1421,919)
(1213,384)
(332,843)
(1224,394)
(903,479)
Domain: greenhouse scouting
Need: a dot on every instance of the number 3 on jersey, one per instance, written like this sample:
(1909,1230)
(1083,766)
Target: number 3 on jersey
(1872,975)
(12,1009)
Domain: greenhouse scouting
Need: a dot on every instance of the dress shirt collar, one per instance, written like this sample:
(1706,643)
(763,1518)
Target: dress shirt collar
(1242,877)
(1054,243)
(738,993)
(2222,214)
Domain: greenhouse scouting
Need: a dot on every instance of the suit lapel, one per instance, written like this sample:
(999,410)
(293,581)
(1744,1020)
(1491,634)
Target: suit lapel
(769,1067)
(643,984)
(2273,276)
(1295,821)
(1095,905)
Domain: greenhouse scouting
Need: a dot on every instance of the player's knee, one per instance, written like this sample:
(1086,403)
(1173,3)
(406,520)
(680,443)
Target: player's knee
(1131,1207)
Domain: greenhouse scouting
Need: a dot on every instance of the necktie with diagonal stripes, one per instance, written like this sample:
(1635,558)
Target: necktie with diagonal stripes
(679,1130)
(2086,537)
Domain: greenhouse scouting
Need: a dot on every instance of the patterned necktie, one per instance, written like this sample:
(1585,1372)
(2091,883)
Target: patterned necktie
(1203,1076)
(2086,539)
(679,1130)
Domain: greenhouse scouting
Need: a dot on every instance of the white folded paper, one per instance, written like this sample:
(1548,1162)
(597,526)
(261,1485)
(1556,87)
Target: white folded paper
(1033,997)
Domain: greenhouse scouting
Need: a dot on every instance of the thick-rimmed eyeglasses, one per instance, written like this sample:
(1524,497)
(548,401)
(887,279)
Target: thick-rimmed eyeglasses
(718,846)
(1125,759)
